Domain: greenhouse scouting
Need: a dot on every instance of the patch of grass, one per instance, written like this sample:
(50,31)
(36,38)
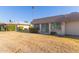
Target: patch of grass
(30,42)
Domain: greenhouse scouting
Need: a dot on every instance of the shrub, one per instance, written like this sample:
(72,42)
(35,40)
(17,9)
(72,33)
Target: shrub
(20,28)
(0,28)
(26,30)
(33,30)
(11,27)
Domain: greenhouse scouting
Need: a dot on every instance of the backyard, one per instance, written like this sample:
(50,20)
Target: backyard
(18,42)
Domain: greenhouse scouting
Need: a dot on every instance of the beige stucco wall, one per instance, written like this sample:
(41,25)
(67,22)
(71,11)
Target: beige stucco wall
(72,27)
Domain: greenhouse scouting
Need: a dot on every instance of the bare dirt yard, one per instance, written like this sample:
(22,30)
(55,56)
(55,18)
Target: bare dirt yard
(17,42)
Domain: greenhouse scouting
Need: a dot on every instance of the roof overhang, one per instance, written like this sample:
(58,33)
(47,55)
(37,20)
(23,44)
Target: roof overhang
(68,17)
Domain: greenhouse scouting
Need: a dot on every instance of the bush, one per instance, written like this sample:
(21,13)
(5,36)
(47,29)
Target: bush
(26,30)
(33,30)
(20,28)
(11,27)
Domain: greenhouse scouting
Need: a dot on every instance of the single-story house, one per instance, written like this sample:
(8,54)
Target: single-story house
(17,25)
(2,26)
(67,24)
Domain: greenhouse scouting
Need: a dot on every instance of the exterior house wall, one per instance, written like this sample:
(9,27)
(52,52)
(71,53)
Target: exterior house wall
(72,28)
(69,23)
(60,31)
(45,29)
(49,28)
(2,27)
(12,27)
(67,28)
(39,28)
(24,27)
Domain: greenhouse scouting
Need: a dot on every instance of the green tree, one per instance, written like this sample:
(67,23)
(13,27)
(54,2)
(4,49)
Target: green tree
(10,20)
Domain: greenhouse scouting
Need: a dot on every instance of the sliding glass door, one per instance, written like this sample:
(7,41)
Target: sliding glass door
(45,28)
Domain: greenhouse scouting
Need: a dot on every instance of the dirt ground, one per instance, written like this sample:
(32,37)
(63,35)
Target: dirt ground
(17,42)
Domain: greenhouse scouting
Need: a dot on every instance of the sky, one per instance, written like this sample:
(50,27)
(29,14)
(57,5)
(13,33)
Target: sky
(26,13)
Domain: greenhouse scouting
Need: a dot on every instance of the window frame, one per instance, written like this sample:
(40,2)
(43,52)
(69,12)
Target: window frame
(56,25)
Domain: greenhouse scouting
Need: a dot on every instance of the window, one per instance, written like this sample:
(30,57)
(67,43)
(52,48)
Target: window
(36,26)
(56,25)
(45,27)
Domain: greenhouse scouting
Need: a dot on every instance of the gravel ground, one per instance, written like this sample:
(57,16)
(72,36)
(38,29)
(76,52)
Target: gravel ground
(17,42)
